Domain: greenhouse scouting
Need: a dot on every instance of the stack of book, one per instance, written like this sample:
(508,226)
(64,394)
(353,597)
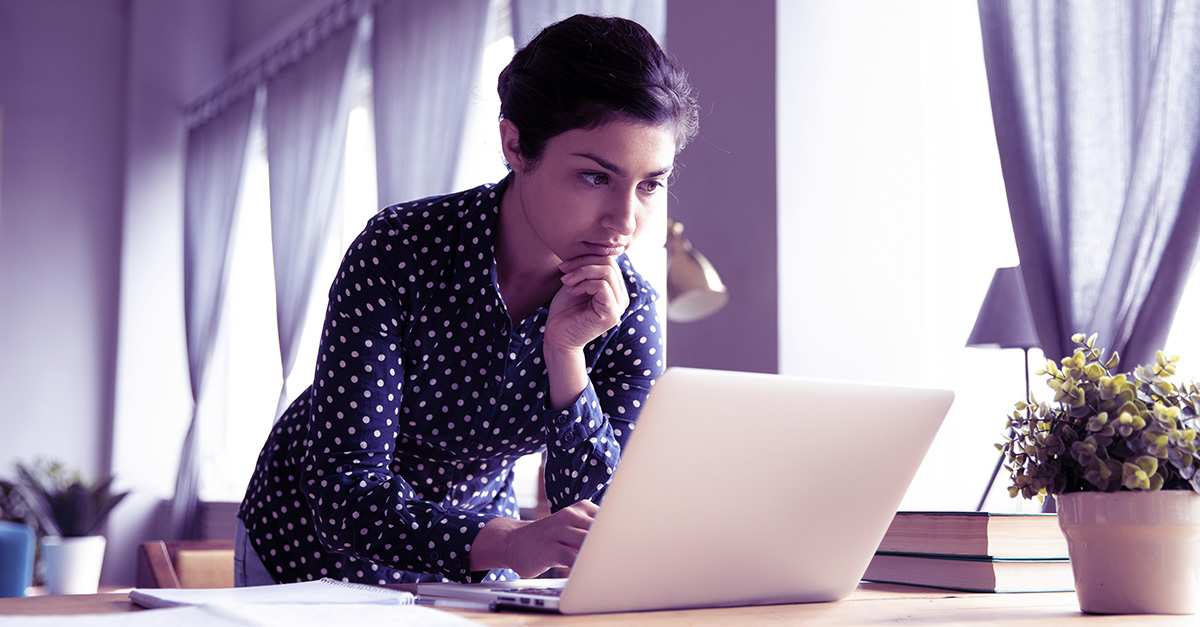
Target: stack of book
(974,551)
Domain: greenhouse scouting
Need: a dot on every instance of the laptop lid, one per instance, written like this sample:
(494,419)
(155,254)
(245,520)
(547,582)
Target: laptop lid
(744,489)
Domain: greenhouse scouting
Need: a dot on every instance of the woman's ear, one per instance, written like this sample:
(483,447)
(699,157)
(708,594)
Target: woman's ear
(510,144)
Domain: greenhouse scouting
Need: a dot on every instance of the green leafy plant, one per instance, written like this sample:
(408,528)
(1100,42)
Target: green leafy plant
(1105,430)
(63,503)
(12,505)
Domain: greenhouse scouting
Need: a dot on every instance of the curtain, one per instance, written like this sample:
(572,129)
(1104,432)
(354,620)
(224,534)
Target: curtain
(1097,117)
(426,56)
(216,156)
(529,17)
(308,107)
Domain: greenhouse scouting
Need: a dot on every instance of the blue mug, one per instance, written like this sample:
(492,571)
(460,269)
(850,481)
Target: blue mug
(16,558)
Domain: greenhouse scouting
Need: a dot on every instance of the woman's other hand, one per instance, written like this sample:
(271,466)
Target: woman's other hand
(532,548)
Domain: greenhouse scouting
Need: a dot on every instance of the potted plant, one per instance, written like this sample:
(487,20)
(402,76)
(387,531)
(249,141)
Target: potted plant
(1120,451)
(71,512)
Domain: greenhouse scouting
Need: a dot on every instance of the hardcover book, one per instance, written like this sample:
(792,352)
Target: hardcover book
(975,574)
(980,534)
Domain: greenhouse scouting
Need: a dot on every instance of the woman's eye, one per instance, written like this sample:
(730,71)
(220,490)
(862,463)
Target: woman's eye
(653,186)
(595,178)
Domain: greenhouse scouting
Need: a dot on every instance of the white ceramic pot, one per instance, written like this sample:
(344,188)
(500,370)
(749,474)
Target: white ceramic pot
(1134,552)
(73,564)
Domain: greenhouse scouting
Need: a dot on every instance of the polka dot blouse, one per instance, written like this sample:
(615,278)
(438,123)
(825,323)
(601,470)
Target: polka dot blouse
(424,396)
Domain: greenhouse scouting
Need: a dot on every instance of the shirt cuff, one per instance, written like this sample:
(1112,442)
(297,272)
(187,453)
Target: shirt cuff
(449,549)
(575,424)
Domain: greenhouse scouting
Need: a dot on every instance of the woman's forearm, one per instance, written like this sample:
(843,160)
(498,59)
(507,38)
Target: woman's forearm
(490,547)
(567,371)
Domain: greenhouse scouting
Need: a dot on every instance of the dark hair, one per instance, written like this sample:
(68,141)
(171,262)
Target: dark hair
(586,71)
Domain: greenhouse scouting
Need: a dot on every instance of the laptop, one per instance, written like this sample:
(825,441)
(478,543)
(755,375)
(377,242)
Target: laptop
(739,489)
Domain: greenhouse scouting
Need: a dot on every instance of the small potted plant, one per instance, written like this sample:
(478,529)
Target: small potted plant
(1120,451)
(71,513)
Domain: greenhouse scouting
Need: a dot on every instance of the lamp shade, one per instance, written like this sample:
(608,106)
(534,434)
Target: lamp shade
(694,289)
(1004,319)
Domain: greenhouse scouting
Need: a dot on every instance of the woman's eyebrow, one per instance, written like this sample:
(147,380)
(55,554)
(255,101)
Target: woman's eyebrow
(618,170)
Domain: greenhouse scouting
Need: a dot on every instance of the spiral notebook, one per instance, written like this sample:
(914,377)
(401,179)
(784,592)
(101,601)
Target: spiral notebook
(319,592)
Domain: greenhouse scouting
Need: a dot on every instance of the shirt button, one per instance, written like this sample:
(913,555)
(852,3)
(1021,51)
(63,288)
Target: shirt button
(568,437)
(560,420)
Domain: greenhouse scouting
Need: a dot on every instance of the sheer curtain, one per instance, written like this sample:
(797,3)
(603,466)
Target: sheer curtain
(425,57)
(531,16)
(307,111)
(1097,118)
(216,157)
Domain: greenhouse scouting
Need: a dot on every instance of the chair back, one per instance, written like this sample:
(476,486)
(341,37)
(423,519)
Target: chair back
(186,564)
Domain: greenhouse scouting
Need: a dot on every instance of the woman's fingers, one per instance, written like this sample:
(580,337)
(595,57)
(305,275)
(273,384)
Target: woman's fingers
(584,269)
(596,276)
(553,541)
(575,521)
(592,300)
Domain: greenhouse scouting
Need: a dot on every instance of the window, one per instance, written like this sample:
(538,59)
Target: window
(893,218)
(1184,339)
(247,365)
(481,160)
(247,374)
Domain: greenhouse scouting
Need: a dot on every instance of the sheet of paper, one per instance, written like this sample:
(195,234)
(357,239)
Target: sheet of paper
(326,615)
(175,616)
(257,615)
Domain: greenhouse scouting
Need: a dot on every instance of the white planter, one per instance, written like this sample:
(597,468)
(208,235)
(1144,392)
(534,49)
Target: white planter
(1134,552)
(73,564)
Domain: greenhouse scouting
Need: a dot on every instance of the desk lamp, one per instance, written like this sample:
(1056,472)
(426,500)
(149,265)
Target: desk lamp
(694,289)
(1005,321)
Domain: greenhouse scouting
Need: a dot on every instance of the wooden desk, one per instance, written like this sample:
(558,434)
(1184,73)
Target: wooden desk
(870,604)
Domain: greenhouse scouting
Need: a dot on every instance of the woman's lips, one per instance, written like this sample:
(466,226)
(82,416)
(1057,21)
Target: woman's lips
(604,249)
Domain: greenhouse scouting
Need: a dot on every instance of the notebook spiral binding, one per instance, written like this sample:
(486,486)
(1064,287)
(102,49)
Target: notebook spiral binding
(405,598)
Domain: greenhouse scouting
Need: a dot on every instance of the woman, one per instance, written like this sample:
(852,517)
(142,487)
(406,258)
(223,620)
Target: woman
(468,330)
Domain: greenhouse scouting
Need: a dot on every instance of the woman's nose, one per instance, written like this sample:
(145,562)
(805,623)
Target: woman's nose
(622,215)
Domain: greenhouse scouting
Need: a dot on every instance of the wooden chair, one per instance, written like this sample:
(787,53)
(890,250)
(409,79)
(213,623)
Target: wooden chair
(186,564)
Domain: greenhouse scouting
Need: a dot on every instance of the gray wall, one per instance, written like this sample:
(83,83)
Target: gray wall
(93,371)
(62,79)
(177,49)
(725,194)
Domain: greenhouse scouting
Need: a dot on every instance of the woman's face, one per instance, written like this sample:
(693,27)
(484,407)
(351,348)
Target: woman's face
(592,191)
